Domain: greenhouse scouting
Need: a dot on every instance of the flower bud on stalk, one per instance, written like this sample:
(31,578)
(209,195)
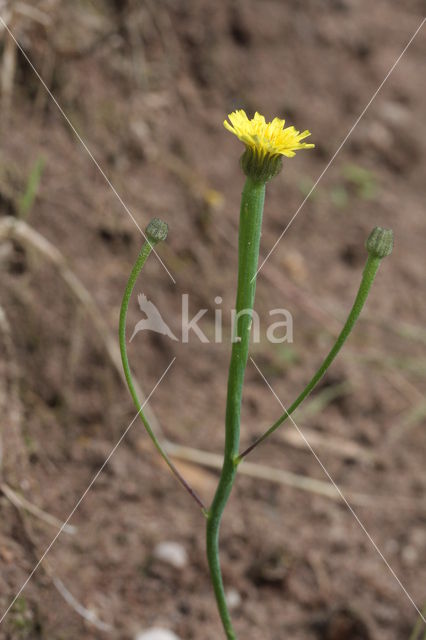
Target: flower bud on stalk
(379,243)
(156,231)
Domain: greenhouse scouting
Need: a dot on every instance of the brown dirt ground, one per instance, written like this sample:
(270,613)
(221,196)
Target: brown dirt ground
(147,85)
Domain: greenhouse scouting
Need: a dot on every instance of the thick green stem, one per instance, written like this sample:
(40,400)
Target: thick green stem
(141,259)
(248,254)
(368,276)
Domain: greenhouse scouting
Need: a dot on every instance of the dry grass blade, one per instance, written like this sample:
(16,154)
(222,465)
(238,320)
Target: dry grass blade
(89,615)
(14,444)
(19,230)
(8,68)
(22,503)
(296,481)
(85,613)
(406,423)
(13,459)
(342,448)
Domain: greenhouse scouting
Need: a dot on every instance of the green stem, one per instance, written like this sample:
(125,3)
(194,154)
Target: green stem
(248,254)
(141,259)
(415,634)
(368,276)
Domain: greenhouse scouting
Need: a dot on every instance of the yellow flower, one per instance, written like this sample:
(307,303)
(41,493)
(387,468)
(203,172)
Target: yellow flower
(266,143)
(266,138)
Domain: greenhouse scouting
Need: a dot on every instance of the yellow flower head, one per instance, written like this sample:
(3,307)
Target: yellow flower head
(266,138)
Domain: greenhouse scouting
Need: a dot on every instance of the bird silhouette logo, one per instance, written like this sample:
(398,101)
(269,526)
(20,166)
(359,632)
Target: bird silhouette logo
(153,320)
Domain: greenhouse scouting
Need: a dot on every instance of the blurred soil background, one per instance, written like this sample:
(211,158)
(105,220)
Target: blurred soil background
(147,85)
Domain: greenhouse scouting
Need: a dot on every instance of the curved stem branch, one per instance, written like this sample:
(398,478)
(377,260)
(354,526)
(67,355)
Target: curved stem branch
(248,254)
(140,261)
(368,276)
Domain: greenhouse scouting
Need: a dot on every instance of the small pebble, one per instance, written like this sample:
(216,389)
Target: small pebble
(394,113)
(156,633)
(233,598)
(171,553)
(392,547)
(410,556)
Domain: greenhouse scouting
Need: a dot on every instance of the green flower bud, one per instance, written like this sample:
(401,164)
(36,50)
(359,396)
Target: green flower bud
(156,231)
(260,168)
(380,242)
